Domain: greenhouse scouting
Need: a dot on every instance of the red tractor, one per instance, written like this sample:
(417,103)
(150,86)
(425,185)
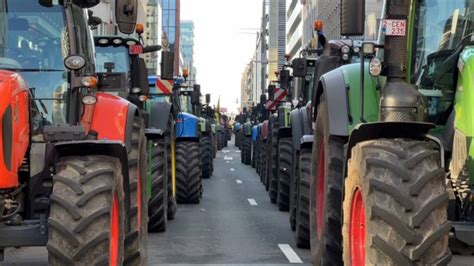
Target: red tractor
(72,158)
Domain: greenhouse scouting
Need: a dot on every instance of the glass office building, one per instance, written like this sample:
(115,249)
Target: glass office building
(171,28)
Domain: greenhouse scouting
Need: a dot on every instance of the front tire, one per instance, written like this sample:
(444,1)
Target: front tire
(86,221)
(158,203)
(247,150)
(302,235)
(206,156)
(273,171)
(285,167)
(188,172)
(395,204)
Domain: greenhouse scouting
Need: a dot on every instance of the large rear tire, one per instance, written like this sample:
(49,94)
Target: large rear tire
(206,156)
(247,150)
(158,203)
(326,193)
(395,203)
(294,191)
(172,204)
(254,154)
(273,171)
(302,235)
(136,240)
(188,172)
(285,166)
(86,221)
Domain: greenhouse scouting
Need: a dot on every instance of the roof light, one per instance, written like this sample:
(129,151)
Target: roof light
(139,28)
(318,25)
(75,62)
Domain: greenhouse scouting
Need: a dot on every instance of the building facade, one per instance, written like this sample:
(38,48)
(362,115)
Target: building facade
(294,28)
(276,37)
(154,35)
(171,30)
(187,44)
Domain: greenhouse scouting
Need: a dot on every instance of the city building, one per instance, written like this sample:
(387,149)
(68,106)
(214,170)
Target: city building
(294,28)
(246,86)
(171,30)
(154,35)
(276,37)
(187,44)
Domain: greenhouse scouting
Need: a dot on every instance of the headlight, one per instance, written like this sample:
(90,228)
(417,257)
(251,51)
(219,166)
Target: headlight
(356,50)
(368,48)
(103,41)
(136,90)
(117,41)
(74,62)
(89,99)
(345,57)
(89,82)
(375,67)
(345,49)
(142,98)
(131,43)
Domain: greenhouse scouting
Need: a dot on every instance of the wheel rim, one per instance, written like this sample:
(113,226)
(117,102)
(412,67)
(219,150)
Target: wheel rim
(320,190)
(357,230)
(114,231)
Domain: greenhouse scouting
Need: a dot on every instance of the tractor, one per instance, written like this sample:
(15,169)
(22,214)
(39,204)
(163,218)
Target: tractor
(187,143)
(207,127)
(245,136)
(73,167)
(115,54)
(391,180)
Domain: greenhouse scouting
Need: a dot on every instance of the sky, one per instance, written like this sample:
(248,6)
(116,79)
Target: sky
(225,34)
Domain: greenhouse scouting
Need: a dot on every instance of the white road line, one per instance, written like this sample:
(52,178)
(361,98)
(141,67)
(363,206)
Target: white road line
(227,161)
(238,181)
(228,158)
(232,169)
(290,253)
(225,151)
(252,202)
(237,151)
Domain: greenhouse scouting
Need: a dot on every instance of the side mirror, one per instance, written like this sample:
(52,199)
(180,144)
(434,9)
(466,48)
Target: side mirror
(299,67)
(151,49)
(143,77)
(208,98)
(271,92)
(197,88)
(263,99)
(167,65)
(125,15)
(352,17)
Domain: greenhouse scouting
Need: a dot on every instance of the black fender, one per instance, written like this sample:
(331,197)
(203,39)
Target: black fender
(297,130)
(390,130)
(284,132)
(306,119)
(158,119)
(132,112)
(332,85)
(306,141)
(100,147)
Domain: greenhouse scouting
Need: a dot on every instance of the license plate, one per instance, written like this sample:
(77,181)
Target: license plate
(394,27)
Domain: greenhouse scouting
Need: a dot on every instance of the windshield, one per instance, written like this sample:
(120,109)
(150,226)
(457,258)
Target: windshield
(33,41)
(116,55)
(440,27)
(185,104)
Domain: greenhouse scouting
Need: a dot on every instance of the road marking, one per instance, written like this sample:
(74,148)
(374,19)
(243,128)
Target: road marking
(238,151)
(238,181)
(228,158)
(290,253)
(227,161)
(232,169)
(252,202)
(225,151)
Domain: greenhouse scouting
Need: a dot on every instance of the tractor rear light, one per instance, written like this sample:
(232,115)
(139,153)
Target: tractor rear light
(74,62)
(345,57)
(89,82)
(117,41)
(89,99)
(345,49)
(375,67)
(143,98)
(136,49)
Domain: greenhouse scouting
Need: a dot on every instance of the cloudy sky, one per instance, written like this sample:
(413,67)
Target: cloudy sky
(225,39)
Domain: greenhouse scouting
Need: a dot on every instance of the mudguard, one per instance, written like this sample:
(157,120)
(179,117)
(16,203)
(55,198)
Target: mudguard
(284,132)
(159,113)
(117,127)
(254,133)
(306,141)
(296,128)
(187,126)
(265,129)
(14,126)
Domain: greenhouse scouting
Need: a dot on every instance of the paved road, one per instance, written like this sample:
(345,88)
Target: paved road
(234,224)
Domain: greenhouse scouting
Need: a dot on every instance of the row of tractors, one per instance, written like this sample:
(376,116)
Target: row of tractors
(368,144)
(94,152)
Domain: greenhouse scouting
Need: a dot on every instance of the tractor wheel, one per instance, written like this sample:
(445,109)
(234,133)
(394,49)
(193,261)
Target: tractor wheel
(263,161)
(256,154)
(172,205)
(158,203)
(206,156)
(285,162)
(219,140)
(294,190)
(136,240)
(273,171)
(87,215)
(302,235)
(188,172)
(214,145)
(326,193)
(395,203)
(247,150)
(268,165)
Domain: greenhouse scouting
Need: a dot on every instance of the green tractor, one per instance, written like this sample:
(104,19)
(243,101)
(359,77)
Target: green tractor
(117,56)
(392,151)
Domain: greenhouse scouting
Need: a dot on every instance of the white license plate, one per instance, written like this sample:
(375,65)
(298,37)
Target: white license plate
(394,27)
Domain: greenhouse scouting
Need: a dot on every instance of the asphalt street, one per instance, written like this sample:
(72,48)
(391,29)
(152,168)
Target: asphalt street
(235,223)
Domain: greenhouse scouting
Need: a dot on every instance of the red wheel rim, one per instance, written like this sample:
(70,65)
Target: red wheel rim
(357,230)
(114,232)
(320,190)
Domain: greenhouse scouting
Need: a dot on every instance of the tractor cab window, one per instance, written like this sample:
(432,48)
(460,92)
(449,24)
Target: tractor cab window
(34,43)
(113,59)
(441,29)
(185,104)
